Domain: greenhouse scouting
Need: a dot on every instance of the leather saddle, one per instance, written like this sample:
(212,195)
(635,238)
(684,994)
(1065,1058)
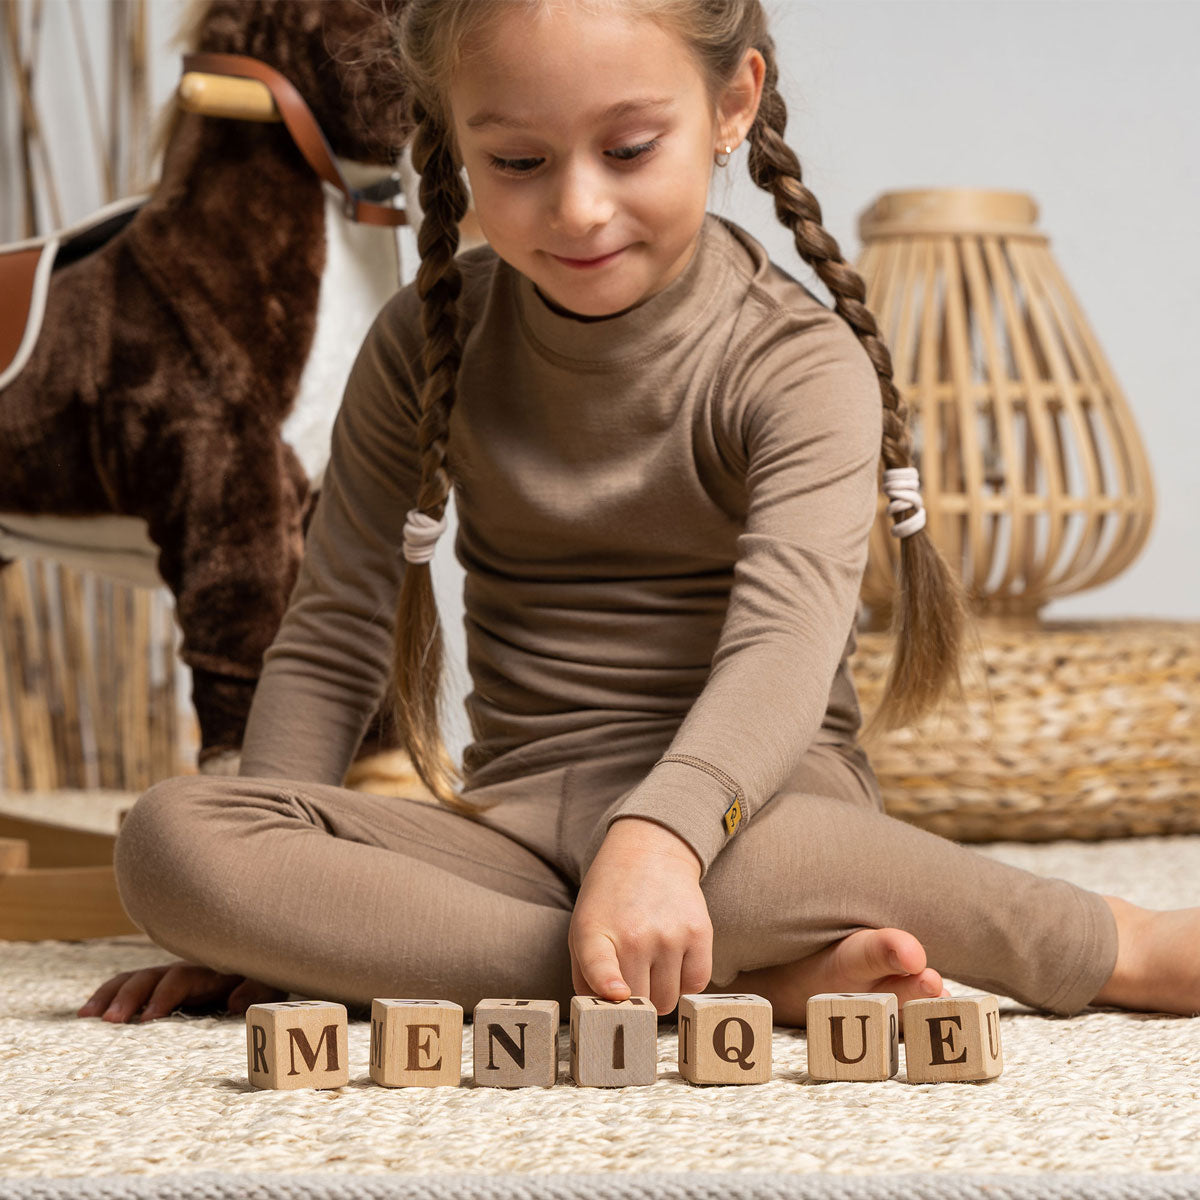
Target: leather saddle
(25,270)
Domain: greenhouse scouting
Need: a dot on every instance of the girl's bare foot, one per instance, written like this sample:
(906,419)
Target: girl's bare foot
(867,960)
(1158,967)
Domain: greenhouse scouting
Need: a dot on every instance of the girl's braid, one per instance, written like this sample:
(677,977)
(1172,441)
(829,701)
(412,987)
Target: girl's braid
(930,615)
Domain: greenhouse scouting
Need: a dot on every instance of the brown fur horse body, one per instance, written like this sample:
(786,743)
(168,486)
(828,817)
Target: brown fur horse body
(169,357)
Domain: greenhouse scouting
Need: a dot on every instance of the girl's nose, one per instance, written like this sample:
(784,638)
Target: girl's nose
(580,202)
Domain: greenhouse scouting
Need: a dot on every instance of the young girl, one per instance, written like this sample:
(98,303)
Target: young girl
(665,454)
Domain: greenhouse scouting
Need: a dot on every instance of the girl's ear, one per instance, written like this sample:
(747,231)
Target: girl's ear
(741,98)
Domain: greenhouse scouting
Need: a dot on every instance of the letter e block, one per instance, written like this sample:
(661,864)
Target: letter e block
(297,1044)
(952,1038)
(725,1038)
(614,1043)
(416,1043)
(515,1043)
(853,1036)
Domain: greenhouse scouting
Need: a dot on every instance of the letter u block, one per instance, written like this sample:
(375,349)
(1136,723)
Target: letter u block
(515,1043)
(725,1038)
(614,1043)
(952,1038)
(852,1036)
(297,1044)
(416,1043)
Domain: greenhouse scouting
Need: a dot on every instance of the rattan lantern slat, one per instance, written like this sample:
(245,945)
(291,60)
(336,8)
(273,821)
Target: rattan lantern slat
(1033,473)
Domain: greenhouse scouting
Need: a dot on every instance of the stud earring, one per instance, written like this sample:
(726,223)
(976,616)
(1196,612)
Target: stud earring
(724,162)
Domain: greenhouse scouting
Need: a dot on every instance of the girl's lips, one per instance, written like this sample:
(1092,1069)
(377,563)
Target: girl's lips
(588,262)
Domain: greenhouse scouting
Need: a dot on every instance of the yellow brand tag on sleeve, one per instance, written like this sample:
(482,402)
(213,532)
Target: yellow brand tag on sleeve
(733,815)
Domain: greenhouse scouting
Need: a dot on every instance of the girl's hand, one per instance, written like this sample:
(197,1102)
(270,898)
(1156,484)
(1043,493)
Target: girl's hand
(641,925)
(166,988)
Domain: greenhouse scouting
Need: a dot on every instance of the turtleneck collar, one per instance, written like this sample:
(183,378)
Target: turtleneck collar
(642,331)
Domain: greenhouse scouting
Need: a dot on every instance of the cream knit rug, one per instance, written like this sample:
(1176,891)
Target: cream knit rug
(1104,1104)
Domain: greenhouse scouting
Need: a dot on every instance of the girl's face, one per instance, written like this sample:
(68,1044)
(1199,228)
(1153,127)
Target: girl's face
(558,171)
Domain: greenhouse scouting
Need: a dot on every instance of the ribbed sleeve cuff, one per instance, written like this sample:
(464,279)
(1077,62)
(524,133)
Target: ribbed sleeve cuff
(689,801)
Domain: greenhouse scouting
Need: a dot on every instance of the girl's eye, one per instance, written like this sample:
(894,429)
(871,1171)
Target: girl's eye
(524,166)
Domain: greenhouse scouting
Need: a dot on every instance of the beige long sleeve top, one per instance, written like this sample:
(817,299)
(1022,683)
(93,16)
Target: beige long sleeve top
(663,521)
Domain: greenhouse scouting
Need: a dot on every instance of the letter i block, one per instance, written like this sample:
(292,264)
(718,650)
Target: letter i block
(952,1038)
(515,1043)
(614,1043)
(725,1037)
(416,1043)
(852,1036)
(297,1044)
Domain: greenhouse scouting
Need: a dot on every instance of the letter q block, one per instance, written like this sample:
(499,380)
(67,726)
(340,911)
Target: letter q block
(297,1044)
(852,1036)
(725,1038)
(416,1043)
(614,1043)
(515,1043)
(950,1039)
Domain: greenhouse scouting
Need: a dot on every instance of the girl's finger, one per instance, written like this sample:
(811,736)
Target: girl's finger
(253,991)
(98,1001)
(599,966)
(176,986)
(132,995)
(663,981)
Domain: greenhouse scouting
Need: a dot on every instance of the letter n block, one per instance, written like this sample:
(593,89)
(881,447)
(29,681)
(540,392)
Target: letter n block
(725,1037)
(515,1043)
(952,1038)
(297,1044)
(416,1043)
(852,1036)
(614,1043)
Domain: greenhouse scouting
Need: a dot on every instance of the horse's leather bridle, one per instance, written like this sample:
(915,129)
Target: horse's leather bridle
(359,203)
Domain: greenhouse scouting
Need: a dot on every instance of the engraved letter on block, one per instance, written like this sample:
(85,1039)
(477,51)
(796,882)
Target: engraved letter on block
(297,1044)
(952,1038)
(852,1036)
(416,1043)
(515,1043)
(614,1043)
(725,1038)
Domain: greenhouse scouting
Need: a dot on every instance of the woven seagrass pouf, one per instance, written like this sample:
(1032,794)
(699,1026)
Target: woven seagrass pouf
(1071,729)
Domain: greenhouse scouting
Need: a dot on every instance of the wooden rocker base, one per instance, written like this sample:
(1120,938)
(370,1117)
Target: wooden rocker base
(57,883)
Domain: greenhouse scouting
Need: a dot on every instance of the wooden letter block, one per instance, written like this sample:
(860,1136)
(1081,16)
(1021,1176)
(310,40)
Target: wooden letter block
(725,1038)
(853,1036)
(515,1043)
(613,1043)
(297,1044)
(416,1043)
(952,1038)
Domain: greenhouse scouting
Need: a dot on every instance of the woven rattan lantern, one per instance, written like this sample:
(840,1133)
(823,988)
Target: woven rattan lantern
(1033,474)
(1036,486)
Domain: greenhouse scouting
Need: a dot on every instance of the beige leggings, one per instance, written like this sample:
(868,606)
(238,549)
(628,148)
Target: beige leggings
(341,895)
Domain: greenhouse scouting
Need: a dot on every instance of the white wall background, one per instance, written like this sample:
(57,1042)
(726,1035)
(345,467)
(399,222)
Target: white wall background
(1087,105)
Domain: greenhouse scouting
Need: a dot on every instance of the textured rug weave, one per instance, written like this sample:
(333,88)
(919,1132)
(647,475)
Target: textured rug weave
(1103,1104)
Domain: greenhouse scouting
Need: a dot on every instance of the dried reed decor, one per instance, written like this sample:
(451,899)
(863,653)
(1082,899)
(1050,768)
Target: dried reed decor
(89,690)
(89,678)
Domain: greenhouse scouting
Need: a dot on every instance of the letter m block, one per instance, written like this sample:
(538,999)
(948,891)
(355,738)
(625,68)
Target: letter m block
(297,1044)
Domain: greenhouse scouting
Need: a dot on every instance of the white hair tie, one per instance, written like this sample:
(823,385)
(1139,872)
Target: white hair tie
(902,485)
(421,533)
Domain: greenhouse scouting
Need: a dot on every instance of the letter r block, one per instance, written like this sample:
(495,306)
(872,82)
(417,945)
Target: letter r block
(515,1043)
(614,1043)
(725,1037)
(952,1038)
(416,1043)
(297,1044)
(852,1036)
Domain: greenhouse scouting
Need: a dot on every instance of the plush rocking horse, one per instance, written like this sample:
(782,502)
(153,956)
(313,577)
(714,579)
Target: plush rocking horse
(170,368)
